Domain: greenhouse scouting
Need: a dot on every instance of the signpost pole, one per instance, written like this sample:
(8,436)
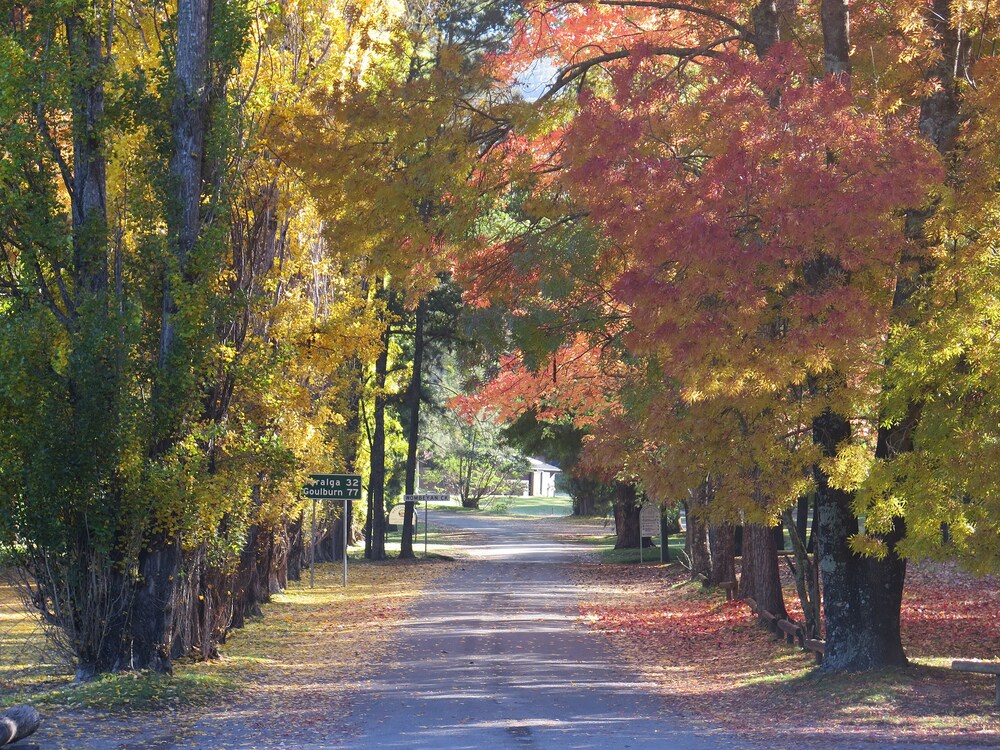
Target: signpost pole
(664,541)
(347,504)
(425,528)
(312,550)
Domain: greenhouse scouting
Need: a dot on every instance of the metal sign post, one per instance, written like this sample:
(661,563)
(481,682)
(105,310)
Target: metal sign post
(347,510)
(312,550)
(344,487)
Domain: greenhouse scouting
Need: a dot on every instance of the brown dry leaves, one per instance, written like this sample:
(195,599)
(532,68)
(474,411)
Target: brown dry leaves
(712,661)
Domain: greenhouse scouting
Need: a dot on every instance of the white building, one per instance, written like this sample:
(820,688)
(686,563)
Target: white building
(540,481)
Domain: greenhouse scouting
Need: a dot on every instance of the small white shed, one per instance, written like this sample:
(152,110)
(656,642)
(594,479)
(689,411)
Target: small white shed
(540,481)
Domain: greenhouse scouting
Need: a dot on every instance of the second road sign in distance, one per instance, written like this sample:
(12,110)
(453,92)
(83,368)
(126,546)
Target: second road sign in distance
(427,498)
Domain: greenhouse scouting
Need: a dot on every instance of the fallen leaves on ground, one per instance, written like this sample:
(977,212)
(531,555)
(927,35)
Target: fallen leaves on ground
(293,669)
(713,662)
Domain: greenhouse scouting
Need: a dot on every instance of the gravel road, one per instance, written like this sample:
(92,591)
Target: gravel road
(494,657)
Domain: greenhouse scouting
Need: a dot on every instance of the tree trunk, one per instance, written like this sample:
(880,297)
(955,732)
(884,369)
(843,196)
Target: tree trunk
(297,547)
(88,197)
(801,518)
(583,503)
(722,549)
(806,579)
(761,578)
(375,541)
(349,449)
(626,516)
(413,394)
(765,24)
(159,563)
(861,596)
(152,610)
(836,38)
(941,111)
(189,122)
(697,533)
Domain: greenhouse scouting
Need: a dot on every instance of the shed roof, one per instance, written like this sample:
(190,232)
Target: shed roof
(535,465)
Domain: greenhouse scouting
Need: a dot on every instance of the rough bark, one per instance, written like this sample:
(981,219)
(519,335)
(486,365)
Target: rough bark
(861,596)
(760,577)
(88,194)
(836,24)
(189,125)
(159,563)
(940,111)
(375,526)
(297,547)
(626,516)
(151,624)
(413,394)
(722,548)
(766,28)
(696,540)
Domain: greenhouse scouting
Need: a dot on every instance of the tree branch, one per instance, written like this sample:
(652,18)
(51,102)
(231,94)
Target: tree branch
(683,8)
(572,72)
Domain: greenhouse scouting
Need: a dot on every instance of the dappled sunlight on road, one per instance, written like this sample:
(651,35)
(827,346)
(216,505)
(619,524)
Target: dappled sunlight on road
(497,657)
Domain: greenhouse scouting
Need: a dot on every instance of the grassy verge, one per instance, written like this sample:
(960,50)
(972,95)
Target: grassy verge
(304,632)
(514,506)
(528,506)
(605,544)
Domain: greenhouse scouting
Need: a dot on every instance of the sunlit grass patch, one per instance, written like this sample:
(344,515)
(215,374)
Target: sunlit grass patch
(630,555)
(190,685)
(30,660)
(307,635)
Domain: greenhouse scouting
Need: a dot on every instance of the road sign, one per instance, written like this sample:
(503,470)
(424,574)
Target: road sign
(334,487)
(649,520)
(396,514)
(427,498)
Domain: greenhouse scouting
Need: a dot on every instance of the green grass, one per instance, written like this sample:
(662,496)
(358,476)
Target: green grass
(527,506)
(514,505)
(650,555)
(188,686)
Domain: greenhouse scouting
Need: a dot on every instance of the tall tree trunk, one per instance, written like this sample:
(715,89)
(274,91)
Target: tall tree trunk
(835,19)
(349,448)
(159,563)
(760,577)
(722,548)
(375,542)
(413,394)
(101,592)
(152,609)
(88,196)
(861,596)
(189,124)
(697,532)
(626,506)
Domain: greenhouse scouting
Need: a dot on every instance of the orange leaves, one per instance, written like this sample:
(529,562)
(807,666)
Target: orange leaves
(712,660)
(578,385)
